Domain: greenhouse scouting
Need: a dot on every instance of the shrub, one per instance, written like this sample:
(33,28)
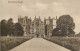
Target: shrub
(8,43)
(72,43)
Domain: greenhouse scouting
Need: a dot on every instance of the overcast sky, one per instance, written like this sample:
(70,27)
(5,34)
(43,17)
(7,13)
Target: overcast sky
(43,8)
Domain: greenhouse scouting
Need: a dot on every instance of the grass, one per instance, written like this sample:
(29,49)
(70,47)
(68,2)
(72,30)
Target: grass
(8,43)
(72,43)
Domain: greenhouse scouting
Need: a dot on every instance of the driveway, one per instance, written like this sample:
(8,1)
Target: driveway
(39,44)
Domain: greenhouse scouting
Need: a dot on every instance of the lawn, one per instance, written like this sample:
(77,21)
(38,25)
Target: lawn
(8,43)
(72,43)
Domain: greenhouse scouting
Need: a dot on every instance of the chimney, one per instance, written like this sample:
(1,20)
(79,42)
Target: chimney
(44,18)
(56,17)
(49,17)
(35,17)
(30,17)
(39,17)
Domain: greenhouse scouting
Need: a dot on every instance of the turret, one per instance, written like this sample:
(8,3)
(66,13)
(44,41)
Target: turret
(56,17)
(35,17)
(39,17)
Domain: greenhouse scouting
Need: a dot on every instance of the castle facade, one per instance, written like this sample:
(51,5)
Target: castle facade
(37,27)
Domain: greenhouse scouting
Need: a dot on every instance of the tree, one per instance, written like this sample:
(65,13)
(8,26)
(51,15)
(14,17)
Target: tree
(17,30)
(10,21)
(10,24)
(4,28)
(0,28)
(77,35)
(65,25)
(10,28)
(55,32)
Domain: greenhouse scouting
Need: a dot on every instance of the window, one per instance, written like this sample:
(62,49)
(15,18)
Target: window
(32,24)
(47,21)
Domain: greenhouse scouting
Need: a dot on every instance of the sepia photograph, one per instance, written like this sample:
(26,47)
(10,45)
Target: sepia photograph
(39,25)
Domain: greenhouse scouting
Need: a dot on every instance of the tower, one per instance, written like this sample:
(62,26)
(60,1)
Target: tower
(26,25)
(20,20)
(48,26)
(54,22)
(37,27)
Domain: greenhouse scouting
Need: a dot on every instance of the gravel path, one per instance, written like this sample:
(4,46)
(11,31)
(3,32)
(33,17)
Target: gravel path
(39,44)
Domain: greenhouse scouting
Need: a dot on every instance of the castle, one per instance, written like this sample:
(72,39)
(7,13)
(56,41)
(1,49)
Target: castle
(37,27)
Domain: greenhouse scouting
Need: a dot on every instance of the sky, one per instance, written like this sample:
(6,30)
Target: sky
(42,8)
